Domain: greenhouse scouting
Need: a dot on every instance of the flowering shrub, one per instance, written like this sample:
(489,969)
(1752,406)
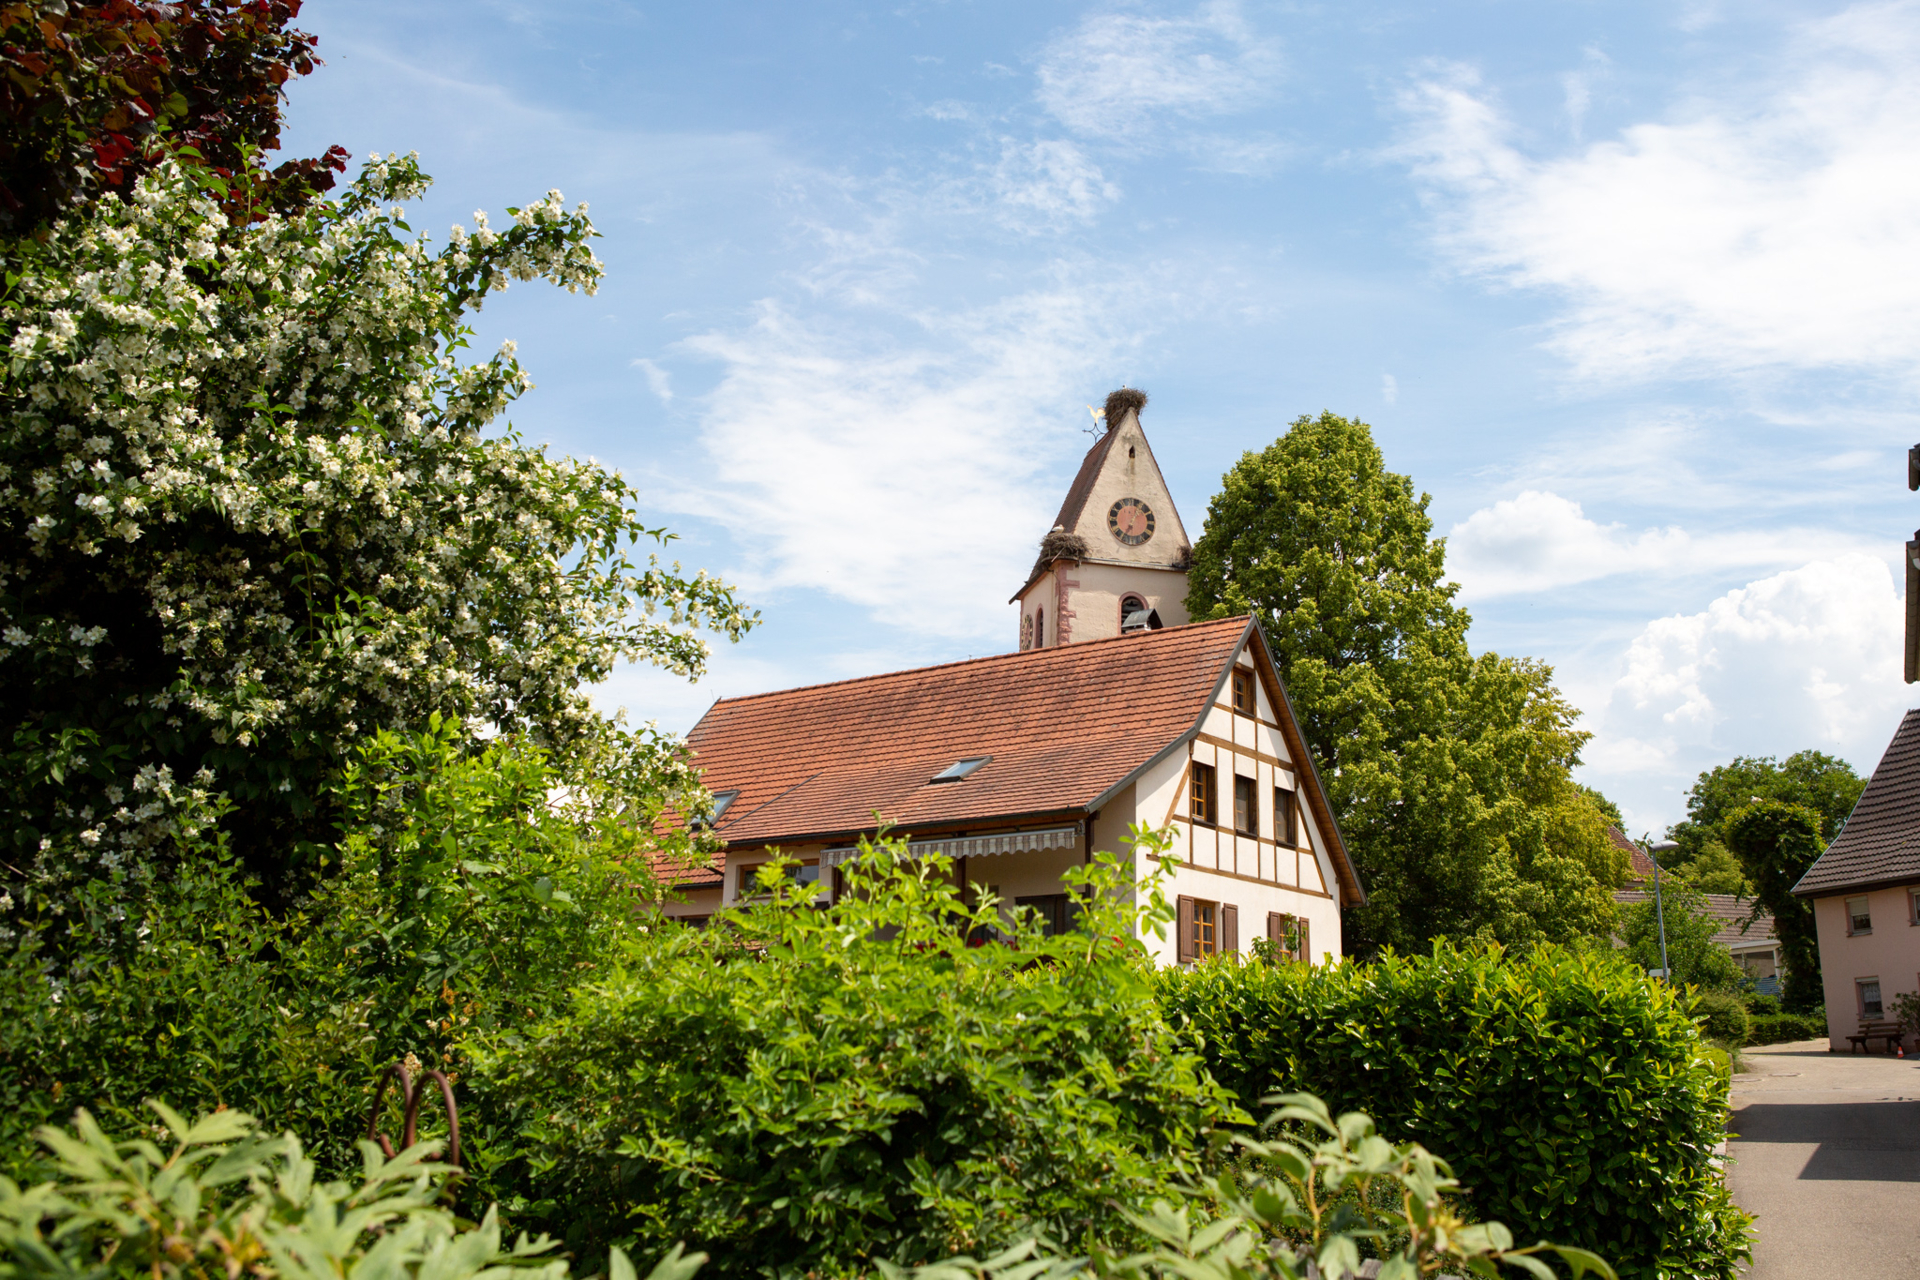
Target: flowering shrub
(248,515)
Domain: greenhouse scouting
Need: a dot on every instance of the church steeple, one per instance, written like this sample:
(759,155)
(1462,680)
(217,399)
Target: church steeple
(1116,558)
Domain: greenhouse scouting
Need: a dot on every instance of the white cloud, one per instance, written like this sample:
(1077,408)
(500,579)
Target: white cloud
(1389,388)
(1777,225)
(658,380)
(1121,76)
(1805,658)
(1539,540)
(1051,183)
(911,479)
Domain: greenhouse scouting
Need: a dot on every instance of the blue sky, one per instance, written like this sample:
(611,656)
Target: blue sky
(1628,288)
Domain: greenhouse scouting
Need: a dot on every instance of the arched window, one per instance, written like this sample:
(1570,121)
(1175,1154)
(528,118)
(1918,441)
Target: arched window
(1129,605)
(1040,628)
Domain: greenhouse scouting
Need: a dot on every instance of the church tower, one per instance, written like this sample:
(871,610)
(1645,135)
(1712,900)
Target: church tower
(1116,559)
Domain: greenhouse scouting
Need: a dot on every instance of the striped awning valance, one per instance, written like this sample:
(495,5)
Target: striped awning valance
(977,846)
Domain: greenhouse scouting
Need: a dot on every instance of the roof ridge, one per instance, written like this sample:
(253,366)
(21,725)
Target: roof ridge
(1080,646)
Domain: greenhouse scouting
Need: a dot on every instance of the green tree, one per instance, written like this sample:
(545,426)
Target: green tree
(1450,774)
(1715,870)
(1695,958)
(250,512)
(1823,783)
(1607,808)
(1776,842)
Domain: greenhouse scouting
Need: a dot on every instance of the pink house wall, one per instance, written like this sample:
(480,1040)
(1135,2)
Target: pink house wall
(1890,953)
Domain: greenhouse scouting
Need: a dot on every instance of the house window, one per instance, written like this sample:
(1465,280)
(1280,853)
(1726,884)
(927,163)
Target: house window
(1206,939)
(1206,928)
(803,874)
(1869,989)
(1913,906)
(1056,912)
(1201,806)
(1859,919)
(1243,691)
(1039,628)
(1246,809)
(1286,818)
(1288,934)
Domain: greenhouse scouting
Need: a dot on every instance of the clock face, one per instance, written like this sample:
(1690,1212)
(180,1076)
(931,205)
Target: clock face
(1131,521)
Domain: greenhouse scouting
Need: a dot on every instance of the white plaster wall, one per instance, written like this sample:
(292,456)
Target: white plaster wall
(1135,477)
(1890,953)
(1254,902)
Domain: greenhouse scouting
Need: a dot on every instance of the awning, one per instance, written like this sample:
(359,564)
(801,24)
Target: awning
(976,846)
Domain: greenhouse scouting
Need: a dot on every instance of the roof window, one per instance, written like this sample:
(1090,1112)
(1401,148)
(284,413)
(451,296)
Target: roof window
(960,769)
(721,799)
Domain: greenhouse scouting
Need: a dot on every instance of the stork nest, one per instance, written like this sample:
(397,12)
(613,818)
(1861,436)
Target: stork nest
(1060,545)
(1122,400)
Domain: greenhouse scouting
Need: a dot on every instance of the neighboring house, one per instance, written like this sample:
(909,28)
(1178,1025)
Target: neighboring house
(1753,945)
(1019,766)
(1866,893)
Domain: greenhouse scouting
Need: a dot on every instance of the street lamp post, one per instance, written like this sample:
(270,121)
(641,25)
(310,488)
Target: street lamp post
(1658,852)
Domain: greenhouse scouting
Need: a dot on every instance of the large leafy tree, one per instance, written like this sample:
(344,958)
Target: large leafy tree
(93,93)
(1823,783)
(250,512)
(1450,773)
(1776,842)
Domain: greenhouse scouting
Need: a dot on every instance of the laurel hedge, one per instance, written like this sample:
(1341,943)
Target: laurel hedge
(1569,1092)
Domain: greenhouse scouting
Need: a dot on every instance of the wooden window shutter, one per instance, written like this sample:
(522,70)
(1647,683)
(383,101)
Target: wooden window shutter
(1229,928)
(1306,952)
(1183,929)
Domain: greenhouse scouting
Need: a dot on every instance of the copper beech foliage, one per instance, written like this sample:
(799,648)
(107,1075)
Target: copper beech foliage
(92,95)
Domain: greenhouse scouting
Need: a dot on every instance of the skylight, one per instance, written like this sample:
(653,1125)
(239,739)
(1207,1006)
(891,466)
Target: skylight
(721,799)
(960,769)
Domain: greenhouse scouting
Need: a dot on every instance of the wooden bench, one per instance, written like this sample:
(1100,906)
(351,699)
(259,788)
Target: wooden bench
(1877,1029)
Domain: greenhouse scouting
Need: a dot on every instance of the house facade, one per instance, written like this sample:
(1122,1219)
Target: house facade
(1114,710)
(1865,891)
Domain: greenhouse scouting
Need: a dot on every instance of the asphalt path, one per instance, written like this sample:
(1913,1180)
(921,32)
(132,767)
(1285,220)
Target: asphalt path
(1826,1155)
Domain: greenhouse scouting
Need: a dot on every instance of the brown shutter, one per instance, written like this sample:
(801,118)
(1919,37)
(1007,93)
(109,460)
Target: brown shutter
(1183,929)
(1306,951)
(1229,928)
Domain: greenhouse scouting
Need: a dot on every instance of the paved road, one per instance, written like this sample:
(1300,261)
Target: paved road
(1827,1157)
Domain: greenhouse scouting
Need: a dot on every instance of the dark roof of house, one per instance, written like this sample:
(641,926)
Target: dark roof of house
(1880,844)
(1730,909)
(1065,727)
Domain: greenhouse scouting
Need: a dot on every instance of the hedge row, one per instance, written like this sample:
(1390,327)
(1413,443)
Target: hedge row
(1568,1092)
(1781,1028)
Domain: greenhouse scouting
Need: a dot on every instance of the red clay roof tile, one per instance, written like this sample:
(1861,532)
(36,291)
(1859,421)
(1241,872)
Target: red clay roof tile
(1062,725)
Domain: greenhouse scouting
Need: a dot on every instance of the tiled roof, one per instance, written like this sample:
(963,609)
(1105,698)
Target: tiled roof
(1063,726)
(1880,845)
(1730,909)
(1639,862)
(1077,493)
